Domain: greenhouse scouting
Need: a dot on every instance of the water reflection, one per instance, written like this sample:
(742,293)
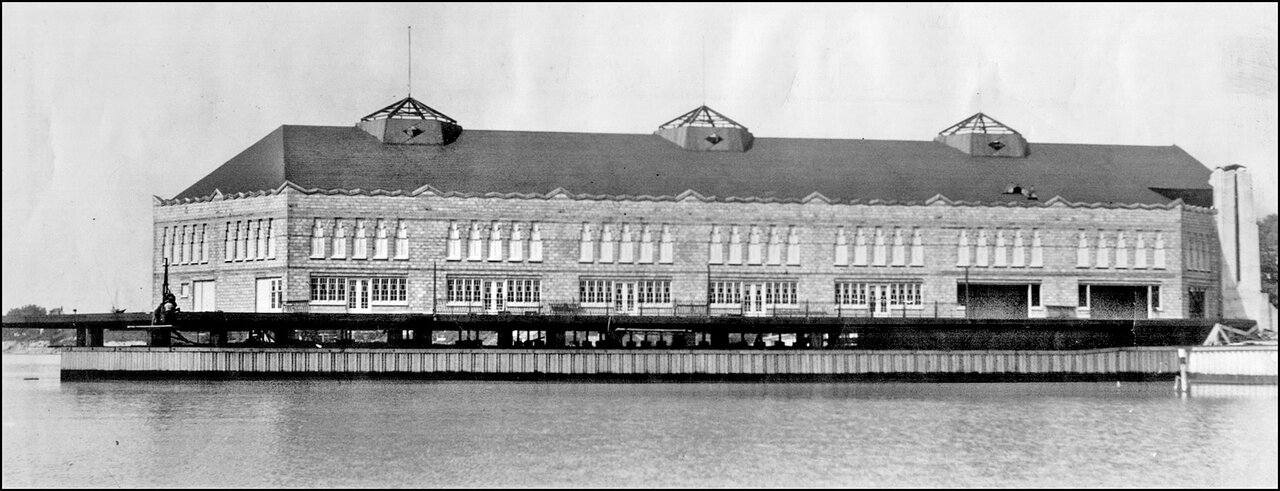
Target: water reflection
(376,433)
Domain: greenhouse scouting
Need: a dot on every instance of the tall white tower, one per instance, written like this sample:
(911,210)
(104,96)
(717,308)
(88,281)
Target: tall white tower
(1242,296)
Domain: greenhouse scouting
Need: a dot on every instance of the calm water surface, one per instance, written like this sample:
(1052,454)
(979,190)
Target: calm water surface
(481,434)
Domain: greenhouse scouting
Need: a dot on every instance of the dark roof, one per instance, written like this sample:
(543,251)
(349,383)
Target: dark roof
(345,157)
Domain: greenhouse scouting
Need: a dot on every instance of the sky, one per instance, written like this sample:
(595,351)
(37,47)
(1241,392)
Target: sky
(107,105)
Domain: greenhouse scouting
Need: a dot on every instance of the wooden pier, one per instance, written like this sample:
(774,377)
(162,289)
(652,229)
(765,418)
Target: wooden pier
(1110,364)
(1238,364)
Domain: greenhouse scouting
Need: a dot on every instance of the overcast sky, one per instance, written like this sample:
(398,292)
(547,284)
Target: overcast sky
(107,105)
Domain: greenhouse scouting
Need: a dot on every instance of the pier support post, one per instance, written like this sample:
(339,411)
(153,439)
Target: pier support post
(423,336)
(720,340)
(283,336)
(555,339)
(1184,383)
(679,340)
(95,337)
(506,338)
(160,338)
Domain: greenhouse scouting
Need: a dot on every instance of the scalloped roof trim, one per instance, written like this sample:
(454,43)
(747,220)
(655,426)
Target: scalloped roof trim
(687,195)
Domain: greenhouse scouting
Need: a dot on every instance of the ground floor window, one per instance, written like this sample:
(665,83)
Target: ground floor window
(860,294)
(493,294)
(358,293)
(624,295)
(328,289)
(753,296)
(389,290)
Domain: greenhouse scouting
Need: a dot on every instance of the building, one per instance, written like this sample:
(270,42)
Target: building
(407,212)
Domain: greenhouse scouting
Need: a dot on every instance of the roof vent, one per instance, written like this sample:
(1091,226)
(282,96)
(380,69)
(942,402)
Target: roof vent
(982,136)
(409,122)
(705,130)
(1029,192)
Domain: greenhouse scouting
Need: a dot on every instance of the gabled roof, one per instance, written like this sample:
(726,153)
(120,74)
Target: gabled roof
(345,157)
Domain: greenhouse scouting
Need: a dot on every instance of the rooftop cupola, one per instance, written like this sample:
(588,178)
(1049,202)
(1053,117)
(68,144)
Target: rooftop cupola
(982,136)
(705,130)
(409,122)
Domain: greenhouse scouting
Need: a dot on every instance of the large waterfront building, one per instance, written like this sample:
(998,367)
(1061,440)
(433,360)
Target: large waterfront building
(406,212)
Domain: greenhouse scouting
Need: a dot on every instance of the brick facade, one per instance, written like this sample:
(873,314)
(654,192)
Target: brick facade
(428,216)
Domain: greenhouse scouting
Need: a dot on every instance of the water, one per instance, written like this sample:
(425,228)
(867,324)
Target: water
(474,434)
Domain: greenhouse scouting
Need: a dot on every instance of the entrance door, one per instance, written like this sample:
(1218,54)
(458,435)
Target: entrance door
(358,296)
(753,298)
(879,300)
(270,295)
(495,296)
(624,298)
(204,294)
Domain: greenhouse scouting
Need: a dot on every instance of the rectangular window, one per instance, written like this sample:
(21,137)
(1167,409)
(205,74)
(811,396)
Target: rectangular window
(775,246)
(586,246)
(251,240)
(899,248)
(260,231)
(389,290)
(735,246)
(277,294)
(475,249)
(524,291)
(666,246)
(535,243)
(473,290)
(715,252)
(1082,251)
(317,241)
(1195,303)
(1083,296)
(332,289)
(879,253)
(228,246)
(465,290)
(1035,294)
(917,248)
(185,290)
(271,239)
(1154,295)
(793,246)
(453,245)
(856,294)
(606,244)
(339,241)
(402,240)
(1002,250)
(983,251)
(860,247)
(204,246)
(515,249)
(646,245)
(360,244)
(381,248)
